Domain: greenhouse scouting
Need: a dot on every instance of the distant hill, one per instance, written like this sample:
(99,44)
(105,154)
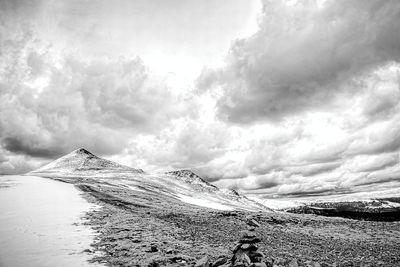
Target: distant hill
(382,209)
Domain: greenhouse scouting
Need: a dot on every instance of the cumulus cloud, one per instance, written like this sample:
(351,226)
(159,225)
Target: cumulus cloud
(97,105)
(308,105)
(186,144)
(11,163)
(363,163)
(302,55)
(52,102)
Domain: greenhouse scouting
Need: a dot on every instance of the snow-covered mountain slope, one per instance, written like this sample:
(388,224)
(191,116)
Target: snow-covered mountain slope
(379,205)
(81,161)
(375,199)
(83,168)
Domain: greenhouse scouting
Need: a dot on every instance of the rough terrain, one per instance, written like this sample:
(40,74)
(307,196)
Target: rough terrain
(141,226)
(180,234)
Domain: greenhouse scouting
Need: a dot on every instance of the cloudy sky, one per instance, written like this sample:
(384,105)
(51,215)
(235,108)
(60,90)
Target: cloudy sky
(274,98)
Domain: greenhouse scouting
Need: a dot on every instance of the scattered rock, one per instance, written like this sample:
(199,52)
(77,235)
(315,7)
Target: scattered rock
(220,261)
(153,264)
(248,247)
(250,240)
(274,220)
(228,213)
(242,261)
(245,253)
(203,262)
(169,251)
(293,263)
(256,256)
(152,249)
(259,264)
(183,259)
(312,264)
(253,223)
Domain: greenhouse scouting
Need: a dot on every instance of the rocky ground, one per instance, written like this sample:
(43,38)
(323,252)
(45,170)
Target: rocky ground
(147,220)
(147,230)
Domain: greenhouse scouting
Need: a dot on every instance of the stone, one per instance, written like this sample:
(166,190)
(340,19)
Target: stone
(153,264)
(242,261)
(251,228)
(293,263)
(248,235)
(169,251)
(236,247)
(269,262)
(153,248)
(249,247)
(220,261)
(253,223)
(256,256)
(312,264)
(203,262)
(250,240)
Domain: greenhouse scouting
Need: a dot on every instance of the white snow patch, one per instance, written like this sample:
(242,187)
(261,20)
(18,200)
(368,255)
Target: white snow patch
(276,204)
(135,188)
(203,202)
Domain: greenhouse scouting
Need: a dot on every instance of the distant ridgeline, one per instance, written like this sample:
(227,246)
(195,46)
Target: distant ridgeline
(383,209)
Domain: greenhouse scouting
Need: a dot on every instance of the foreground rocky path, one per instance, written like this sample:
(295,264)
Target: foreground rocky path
(146,230)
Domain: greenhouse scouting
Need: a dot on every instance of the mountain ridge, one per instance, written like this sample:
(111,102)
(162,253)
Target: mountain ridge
(86,170)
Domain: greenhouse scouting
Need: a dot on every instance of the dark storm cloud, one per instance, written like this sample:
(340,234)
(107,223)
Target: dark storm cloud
(22,147)
(316,192)
(302,55)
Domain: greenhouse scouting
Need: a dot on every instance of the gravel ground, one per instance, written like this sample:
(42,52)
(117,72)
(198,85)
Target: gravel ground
(145,229)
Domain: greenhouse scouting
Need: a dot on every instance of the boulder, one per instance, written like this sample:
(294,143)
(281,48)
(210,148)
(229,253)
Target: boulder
(253,223)
(220,261)
(293,263)
(249,247)
(252,240)
(242,261)
(251,228)
(256,256)
(203,262)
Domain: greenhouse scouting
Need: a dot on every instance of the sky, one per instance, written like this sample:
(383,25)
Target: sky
(271,98)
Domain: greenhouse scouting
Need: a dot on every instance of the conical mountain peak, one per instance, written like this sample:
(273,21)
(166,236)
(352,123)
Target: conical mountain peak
(82,151)
(82,160)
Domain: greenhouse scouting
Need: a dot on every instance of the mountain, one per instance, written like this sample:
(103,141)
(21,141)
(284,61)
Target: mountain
(377,205)
(111,180)
(82,160)
(178,219)
(379,209)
